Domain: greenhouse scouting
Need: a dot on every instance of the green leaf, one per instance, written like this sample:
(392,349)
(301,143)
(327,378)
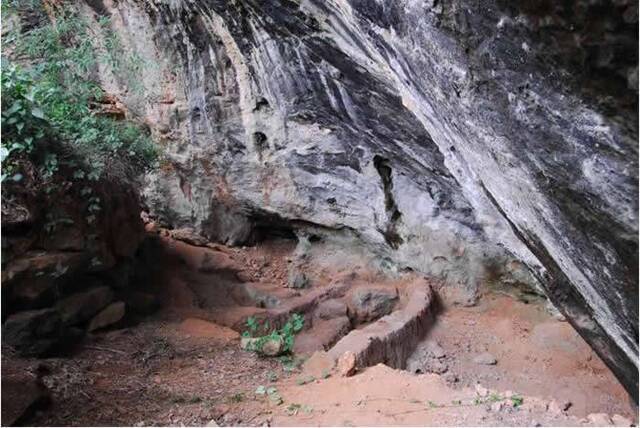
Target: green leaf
(38,113)
(15,107)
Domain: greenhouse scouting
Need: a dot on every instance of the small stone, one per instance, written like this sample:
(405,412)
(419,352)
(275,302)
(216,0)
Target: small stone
(497,407)
(621,421)
(485,359)
(451,378)
(108,316)
(347,364)
(212,423)
(244,276)
(481,390)
(270,347)
(435,350)
(599,419)
(554,408)
(435,366)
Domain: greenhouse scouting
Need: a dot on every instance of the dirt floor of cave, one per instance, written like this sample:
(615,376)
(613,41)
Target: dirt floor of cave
(172,369)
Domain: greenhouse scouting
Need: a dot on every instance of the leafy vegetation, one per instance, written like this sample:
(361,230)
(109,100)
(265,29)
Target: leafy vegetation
(286,334)
(517,400)
(50,104)
(237,397)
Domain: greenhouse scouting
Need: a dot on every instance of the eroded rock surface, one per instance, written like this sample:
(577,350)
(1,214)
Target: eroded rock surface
(445,137)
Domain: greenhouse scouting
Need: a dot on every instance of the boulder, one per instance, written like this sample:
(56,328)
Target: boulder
(22,395)
(329,309)
(80,307)
(370,303)
(108,316)
(189,236)
(34,279)
(34,333)
(269,347)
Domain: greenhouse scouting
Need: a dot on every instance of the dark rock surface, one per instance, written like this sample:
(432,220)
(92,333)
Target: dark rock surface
(444,136)
(34,333)
(369,304)
(23,394)
(80,307)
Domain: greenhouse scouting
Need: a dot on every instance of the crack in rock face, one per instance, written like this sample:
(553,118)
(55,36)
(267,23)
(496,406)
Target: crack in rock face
(443,136)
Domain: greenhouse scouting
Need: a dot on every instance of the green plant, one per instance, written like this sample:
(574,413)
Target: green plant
(274,396)
(286,334)
(237,397)
(292,327)
(517,400)
(49,117)
(494,397)
(293,408)
(272,376)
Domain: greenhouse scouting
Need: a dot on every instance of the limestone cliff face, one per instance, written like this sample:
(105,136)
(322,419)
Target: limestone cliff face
(448,137)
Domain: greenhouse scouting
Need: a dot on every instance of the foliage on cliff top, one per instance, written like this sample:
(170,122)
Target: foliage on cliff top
(49,114)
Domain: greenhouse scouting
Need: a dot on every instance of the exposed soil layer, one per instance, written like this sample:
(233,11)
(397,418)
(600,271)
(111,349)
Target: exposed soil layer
(535,353)
(183,365)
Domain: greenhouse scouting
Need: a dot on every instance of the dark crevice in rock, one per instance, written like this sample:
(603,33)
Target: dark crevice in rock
(391,235)
(260,141)
(261,104)
(266,227)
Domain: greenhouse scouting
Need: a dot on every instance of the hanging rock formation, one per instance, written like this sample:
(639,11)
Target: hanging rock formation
(450,137)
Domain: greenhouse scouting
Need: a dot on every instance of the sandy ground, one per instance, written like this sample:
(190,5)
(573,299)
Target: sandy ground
(174,368)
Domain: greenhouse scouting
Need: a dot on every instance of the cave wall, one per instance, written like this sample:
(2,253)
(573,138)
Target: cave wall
(448,137)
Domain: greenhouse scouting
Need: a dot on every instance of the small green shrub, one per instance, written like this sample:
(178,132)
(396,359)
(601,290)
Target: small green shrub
(287,333)
(237,397)
(48,114)
(517,400)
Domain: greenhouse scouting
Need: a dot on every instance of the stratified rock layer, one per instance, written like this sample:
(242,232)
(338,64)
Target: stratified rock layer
(447,137)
